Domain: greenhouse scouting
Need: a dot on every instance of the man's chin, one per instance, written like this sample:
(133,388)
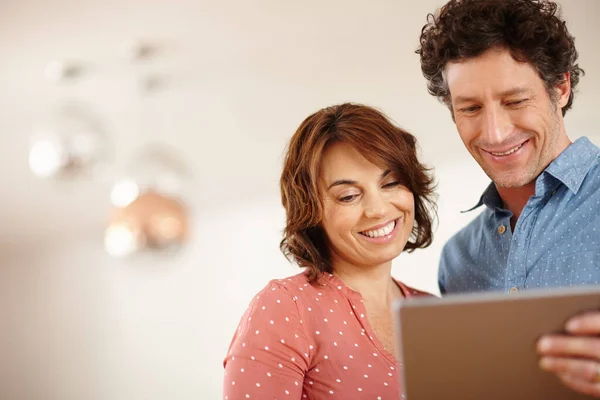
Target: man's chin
(511,181)
(514,178)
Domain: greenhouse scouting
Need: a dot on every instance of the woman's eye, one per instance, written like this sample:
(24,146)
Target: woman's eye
(348,198)
(392,184)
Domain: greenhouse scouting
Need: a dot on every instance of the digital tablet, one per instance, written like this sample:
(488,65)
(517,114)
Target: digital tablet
(482,346)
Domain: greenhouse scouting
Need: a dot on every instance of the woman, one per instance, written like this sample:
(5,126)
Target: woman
(355,197)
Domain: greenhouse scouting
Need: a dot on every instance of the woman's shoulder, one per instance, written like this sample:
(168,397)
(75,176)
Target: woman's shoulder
(299,285)
(276,301)
(292,286)
(302,290)
(410,291)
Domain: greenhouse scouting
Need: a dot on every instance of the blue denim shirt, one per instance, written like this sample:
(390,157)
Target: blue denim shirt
(556,241)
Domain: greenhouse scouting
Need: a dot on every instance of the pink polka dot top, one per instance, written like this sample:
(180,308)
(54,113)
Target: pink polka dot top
(303,341)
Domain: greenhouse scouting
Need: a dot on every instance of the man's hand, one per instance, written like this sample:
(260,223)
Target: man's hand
(575,357)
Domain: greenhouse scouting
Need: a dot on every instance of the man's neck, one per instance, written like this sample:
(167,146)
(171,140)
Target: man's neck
(515,199)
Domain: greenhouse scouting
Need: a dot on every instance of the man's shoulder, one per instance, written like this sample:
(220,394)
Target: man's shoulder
(593,174)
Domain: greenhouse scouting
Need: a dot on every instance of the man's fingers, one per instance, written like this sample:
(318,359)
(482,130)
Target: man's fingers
(585,324)
(576,368)
(581,386)
(570,346)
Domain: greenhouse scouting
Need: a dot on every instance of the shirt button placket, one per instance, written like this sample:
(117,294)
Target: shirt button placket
(510,267)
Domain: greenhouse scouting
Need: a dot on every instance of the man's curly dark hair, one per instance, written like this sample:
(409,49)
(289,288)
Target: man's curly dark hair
(532,30)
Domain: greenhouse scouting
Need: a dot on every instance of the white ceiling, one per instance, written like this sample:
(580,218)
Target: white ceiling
(239,77)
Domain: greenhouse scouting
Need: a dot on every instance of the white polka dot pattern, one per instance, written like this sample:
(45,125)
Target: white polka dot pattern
(298,340)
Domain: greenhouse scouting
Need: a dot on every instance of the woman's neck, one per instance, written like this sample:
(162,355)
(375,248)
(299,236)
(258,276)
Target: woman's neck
(375,284)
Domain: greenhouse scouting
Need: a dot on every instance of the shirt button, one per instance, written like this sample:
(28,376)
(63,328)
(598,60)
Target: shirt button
(501,229)
(514,289)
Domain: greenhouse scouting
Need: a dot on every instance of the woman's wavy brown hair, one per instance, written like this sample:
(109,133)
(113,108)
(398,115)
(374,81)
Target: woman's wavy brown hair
(532,30)
(380,142)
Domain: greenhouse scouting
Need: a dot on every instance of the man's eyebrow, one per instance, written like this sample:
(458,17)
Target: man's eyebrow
(506,93)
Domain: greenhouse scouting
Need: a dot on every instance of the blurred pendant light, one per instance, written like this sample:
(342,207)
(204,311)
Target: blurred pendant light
(150,214)
(70,142)
(152,222)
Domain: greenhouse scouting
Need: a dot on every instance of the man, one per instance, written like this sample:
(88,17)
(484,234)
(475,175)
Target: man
(507,70)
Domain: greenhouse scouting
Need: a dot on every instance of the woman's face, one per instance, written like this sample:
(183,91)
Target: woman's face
(368,214)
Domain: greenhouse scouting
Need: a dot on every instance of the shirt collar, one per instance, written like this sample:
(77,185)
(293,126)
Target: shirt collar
(573,164)
(490,198)
(570,167)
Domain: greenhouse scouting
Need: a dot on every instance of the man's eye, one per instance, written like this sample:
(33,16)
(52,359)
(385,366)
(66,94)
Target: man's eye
(470,109)
(516,102)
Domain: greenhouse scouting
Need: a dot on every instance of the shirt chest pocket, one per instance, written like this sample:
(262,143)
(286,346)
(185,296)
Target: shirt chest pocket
(574,269)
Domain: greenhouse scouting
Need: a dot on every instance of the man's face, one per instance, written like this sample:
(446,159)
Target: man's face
(505,116)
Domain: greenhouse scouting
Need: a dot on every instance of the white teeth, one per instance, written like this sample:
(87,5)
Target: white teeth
(506,153)
(381,231)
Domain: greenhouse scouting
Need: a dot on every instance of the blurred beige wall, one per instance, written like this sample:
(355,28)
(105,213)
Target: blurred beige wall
(241,76)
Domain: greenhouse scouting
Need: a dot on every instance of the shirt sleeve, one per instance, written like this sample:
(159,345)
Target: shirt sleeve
(268,356)
(442,271)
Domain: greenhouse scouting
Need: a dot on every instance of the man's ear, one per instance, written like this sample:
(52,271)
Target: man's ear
(563,90)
